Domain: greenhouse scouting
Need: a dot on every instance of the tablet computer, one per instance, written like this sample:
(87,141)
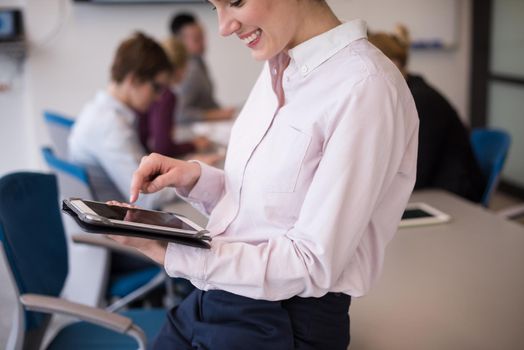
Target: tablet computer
(417,214)
(98,217)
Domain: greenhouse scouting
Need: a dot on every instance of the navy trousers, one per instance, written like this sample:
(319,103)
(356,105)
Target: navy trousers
(219,320)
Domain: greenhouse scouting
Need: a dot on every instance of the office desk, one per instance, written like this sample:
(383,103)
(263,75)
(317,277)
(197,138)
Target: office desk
(216,131)
(458,285)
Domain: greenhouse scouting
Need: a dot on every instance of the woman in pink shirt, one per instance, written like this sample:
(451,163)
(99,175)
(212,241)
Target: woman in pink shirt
(320,165)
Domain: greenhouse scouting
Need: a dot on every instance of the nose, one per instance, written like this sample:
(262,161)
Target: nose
(227,24)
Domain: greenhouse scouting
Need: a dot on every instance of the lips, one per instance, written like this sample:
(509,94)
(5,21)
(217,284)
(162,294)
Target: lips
(252,38)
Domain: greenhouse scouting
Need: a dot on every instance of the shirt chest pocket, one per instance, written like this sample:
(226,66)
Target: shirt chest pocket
(283,151)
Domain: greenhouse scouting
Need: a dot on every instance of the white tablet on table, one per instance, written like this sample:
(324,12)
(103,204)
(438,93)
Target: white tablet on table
(417,214)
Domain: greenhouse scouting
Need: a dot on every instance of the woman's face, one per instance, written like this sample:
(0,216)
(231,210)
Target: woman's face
(267,27)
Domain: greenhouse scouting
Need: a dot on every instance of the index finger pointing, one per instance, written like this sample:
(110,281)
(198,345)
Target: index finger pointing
(137,182)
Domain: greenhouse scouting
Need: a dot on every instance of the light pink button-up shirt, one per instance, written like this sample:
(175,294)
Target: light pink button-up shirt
(314,182)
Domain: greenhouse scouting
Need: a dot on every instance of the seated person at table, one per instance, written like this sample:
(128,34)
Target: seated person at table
(157,127)
(445,157)
(104,137)
(197,101)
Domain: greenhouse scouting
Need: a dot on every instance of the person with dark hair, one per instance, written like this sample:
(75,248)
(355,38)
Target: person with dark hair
(320,166)
(104,137)
(445,156)
(179,21)
(157,127)
(197,101)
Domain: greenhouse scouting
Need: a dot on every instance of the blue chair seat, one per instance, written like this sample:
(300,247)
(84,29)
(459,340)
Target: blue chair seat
(84,336)
(123,285)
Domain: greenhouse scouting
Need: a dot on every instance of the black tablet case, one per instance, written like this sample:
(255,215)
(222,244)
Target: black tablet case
(199,241)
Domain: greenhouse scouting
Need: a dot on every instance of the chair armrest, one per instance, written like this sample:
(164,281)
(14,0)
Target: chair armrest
(115,322)
(103,242)
(512,212)
(40,303)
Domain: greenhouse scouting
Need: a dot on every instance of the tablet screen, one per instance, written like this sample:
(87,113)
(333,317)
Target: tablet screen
(415,214)
(138,215)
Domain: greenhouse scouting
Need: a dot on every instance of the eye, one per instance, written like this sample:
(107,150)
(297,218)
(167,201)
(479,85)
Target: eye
(235,3)
(232,3)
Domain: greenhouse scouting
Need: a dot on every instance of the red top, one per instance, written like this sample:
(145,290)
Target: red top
(156,128)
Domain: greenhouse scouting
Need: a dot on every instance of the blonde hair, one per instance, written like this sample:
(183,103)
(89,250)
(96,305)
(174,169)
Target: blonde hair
(394,45)
(176,52)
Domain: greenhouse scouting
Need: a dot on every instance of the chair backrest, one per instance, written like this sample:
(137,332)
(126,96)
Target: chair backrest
(59,128)
(32,236)
(87,265)
(83,181)
(490,147)
(72,178)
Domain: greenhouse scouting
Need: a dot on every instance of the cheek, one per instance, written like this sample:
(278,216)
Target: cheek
(143,99)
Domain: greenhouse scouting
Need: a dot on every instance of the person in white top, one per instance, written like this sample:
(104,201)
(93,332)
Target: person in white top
(105,138)
(320,166)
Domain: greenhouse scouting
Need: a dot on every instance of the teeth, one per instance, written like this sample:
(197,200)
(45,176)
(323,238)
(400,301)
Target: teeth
(252,37)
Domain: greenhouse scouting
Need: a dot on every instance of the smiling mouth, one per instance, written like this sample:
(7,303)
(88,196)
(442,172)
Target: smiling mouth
(251,39)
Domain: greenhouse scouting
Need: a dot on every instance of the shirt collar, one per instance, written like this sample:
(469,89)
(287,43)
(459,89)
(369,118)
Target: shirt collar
(313,52)
(121,108)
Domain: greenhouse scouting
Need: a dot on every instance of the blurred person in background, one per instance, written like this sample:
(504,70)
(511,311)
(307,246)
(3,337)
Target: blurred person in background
(197,101)
(104,137)
(157,127)
(445,156)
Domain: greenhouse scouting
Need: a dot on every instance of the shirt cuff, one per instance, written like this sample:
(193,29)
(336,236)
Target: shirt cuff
(186,262)
(211,179)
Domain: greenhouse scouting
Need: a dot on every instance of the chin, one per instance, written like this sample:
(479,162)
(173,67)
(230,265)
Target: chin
(261,56)
(141,109)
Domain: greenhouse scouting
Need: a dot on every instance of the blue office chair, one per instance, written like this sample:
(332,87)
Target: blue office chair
(74,182)
(34,248)
(490,148)
(59,127)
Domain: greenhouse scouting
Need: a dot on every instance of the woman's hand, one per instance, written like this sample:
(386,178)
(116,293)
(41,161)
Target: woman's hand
(157,172)
(155,250)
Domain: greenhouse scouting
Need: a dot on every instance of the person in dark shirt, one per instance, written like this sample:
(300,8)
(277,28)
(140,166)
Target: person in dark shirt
(445,156)
(157,127)
(197,100)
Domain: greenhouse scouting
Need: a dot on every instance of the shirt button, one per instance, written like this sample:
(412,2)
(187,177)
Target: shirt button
(304,69)
(274,71)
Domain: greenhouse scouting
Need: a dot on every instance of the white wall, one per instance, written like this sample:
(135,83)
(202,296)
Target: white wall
(448,70)
(71,47)
(14,152)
